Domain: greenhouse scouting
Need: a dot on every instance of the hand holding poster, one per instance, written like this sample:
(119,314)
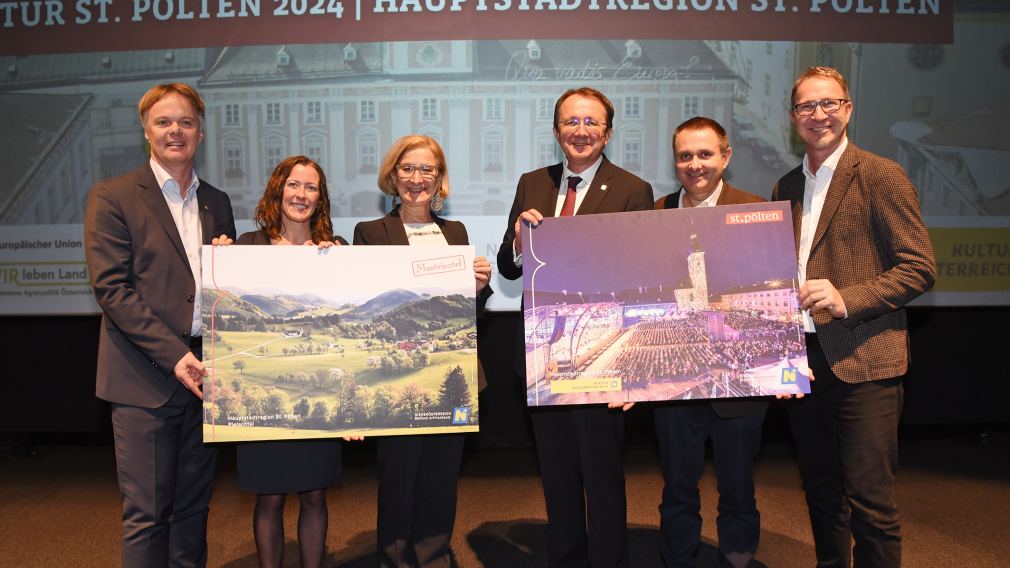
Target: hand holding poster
(663,305)
(311,343)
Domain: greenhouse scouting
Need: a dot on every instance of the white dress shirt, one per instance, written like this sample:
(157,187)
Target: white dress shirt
(424,234)
(710,201)
(186,214)
(587,176)
(815,189)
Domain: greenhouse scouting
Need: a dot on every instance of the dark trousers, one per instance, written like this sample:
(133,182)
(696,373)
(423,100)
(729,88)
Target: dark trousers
(682,430)
(581,463)
(165,476)
(847,439)
(417,499)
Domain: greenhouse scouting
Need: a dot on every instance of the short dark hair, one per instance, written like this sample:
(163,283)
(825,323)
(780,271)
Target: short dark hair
(703,123)
(591,93)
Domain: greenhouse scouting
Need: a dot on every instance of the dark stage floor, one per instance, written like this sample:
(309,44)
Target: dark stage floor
(60,507)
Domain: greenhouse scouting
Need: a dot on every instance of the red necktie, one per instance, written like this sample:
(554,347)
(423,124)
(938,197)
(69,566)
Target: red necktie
(568,208)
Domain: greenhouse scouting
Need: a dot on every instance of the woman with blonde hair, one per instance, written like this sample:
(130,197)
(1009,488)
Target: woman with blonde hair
(418,474)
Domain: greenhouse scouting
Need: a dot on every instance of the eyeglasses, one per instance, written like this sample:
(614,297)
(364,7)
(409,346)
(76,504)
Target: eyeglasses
(573,124)
(829,106)
(406,171)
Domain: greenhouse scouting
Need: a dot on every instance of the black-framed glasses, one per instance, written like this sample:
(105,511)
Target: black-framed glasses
(407,171)
(589,123)
(829,106)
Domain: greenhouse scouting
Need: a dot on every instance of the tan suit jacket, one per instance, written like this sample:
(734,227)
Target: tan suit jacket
(872,244)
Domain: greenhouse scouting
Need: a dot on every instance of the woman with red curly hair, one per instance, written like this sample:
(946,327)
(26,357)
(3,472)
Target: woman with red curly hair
(294,210)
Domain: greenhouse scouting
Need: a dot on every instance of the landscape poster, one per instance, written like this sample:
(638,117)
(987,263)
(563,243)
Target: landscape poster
(309,343)
(675,304)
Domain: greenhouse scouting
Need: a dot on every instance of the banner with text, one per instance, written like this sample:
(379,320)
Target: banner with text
(114,25)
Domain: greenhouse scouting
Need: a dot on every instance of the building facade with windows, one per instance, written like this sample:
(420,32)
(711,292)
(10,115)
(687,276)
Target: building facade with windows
(114,81)
(776,299)
(961,166)
(490,104)
(766,70)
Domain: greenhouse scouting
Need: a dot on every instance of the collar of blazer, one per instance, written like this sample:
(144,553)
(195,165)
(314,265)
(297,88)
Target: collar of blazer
(793,185)
(594,195)
(152,196)
(726,196)
(841,181)
(672,201)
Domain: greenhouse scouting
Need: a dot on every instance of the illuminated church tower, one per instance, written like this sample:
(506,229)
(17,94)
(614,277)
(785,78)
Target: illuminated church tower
(695,297)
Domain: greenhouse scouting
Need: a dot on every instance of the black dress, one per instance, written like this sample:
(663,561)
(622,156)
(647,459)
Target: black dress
(290,466)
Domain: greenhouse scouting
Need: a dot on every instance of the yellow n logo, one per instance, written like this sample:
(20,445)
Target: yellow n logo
(788,376)
(460,415)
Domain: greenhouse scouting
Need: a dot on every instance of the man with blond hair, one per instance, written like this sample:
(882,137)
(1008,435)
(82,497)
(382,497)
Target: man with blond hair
(143,231)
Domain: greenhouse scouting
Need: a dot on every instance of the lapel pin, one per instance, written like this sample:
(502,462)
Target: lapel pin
(603,188)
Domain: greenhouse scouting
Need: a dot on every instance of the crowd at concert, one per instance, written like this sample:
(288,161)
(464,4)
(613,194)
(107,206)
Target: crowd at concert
(683,348)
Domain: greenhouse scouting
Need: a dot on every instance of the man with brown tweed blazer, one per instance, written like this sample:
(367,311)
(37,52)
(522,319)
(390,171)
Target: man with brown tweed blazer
(863,254)
(701,153)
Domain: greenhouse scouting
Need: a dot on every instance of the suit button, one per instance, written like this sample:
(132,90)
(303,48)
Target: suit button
(185,335)
(189,298)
